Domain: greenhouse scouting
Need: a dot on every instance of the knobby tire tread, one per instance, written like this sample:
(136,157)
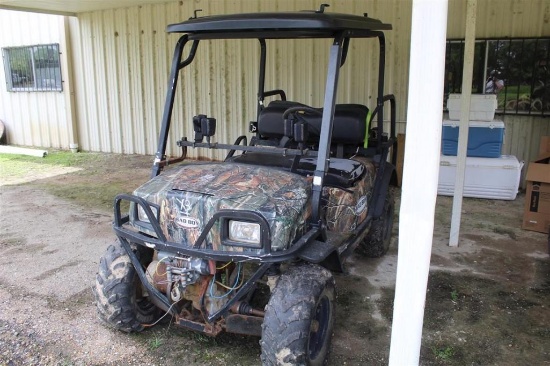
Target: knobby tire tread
(285,330)
(375,244)
(115,290)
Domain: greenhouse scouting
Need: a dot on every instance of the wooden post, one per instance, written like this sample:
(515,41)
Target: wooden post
(467,73)
(420,177)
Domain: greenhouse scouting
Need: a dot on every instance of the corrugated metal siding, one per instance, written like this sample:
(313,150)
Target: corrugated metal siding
(522,137)
(509,18)
(125,71)
(502,18)
(33,118)
(122,62)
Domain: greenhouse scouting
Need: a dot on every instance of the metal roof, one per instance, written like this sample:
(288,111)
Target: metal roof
(307,24)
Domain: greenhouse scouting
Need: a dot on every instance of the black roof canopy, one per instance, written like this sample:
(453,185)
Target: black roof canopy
(302,24)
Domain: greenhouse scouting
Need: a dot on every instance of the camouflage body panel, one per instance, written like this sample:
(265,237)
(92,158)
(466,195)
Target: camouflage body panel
(188,196)
(345,209)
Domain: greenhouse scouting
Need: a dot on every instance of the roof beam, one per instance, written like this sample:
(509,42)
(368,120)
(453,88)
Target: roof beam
(34,10)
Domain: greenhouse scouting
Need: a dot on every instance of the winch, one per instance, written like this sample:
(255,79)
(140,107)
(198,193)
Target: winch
(171,274)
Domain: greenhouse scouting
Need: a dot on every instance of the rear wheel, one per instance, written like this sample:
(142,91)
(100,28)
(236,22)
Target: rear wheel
(299,318)
(377,242)
(118,292)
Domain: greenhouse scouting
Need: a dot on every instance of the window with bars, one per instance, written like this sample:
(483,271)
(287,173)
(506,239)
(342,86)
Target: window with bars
(520,64)
(32,68)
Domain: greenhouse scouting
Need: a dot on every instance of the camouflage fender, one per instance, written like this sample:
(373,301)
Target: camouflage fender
(345,209)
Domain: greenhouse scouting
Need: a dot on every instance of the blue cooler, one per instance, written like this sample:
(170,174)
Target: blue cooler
(484,138)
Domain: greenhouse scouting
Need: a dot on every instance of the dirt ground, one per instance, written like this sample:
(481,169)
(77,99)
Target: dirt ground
(488,301)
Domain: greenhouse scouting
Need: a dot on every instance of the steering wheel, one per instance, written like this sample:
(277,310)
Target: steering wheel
(295,111)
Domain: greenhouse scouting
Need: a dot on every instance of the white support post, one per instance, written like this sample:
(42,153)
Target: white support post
(467,73)
(67,77)
(420,177)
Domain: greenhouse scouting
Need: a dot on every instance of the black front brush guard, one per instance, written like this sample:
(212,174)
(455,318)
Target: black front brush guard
(263,255)
(127,236)
(311,247)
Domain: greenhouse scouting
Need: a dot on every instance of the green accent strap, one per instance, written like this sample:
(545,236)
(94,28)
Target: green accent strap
(367,125)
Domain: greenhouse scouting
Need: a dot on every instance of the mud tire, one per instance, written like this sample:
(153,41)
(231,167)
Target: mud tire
(117,292)
(299,318)
(377,242)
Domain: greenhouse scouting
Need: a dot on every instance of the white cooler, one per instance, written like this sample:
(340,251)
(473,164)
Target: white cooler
(482,106)
(493,178)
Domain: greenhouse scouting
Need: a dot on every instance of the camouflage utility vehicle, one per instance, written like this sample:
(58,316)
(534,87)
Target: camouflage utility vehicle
(248,245)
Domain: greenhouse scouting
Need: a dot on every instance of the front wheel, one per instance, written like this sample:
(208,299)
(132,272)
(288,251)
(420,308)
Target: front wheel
(299,318)
(118,292)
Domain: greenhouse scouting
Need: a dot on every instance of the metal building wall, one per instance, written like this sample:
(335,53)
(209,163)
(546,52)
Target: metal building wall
(122,59)
(502,18)
(33,118)
(509,18)
(522,138)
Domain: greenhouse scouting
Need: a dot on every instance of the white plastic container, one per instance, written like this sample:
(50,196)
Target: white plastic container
(482,107)
(492,178)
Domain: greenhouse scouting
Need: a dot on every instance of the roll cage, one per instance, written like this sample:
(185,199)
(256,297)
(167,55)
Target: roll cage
(287,25)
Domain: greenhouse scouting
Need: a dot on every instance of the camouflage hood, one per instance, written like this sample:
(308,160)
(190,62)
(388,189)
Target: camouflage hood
(188,197)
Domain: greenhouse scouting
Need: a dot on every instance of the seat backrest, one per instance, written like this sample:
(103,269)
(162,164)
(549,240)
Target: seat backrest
(349,128)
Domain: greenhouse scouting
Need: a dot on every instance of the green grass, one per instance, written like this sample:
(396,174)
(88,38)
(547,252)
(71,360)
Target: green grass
(88,194)
(505,231)
(17,166)
(444,353)
(155,343)
(60,158)
(94,186)
(513,94)
(454,295)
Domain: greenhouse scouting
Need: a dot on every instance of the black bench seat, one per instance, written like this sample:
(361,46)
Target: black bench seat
(349,128)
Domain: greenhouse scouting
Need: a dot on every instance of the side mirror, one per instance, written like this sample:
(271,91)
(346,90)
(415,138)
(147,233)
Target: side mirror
(204,127)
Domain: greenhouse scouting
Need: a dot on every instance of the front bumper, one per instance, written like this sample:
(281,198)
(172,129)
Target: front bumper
(307,248)
(124,230)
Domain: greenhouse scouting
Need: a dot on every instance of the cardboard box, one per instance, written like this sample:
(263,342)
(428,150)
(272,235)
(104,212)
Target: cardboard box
(536,215)
(544,149)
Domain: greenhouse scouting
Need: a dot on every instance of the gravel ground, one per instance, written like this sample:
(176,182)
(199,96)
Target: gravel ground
(51,250)
(488,300)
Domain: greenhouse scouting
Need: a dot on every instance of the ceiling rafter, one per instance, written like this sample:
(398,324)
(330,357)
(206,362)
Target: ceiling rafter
(70,7)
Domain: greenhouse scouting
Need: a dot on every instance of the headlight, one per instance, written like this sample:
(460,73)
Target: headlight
(142,216)
(244,232)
